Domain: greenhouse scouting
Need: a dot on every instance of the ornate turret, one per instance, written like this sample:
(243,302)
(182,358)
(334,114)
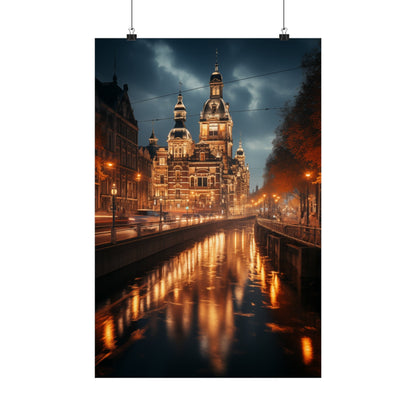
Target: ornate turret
(153,139)
(215,83)
(240,156)
(179,112)
(215,107)
(215,123)
(180,141)
(179,115)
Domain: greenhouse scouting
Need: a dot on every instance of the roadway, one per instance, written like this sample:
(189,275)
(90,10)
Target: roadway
(124,232)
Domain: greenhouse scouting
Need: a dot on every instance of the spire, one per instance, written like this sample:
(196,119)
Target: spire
(153,139)
(180,87)
(215,81)
(240,152)
(179,112)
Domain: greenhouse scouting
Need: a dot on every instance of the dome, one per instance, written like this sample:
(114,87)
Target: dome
(240,150)
(179,130)
(215,77)
(215,108)
(179,133)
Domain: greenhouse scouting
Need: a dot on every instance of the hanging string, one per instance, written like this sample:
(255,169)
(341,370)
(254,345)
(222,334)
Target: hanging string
(284,27)
(131,35)
(284,35)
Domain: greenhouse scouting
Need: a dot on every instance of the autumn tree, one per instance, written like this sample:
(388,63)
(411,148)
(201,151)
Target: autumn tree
(302,121)
(297,146)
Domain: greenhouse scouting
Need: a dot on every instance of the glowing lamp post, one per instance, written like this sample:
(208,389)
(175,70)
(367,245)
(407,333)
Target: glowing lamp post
(308,175)
(113,229)
(160,219)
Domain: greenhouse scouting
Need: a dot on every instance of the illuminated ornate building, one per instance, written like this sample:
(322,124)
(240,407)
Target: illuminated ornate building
(203,176)
(118,158)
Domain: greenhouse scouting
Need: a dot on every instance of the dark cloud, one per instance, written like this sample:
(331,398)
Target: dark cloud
(154,67)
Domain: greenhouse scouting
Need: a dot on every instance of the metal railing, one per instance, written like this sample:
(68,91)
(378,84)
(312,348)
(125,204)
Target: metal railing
(129,231)
(308,235)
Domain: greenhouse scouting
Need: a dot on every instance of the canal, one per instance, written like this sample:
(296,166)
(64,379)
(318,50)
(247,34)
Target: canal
(215,308)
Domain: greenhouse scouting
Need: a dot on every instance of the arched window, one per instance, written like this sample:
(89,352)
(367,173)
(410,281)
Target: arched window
(192,182)
(162,179)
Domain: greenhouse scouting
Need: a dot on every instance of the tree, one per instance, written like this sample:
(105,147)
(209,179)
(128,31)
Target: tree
(297,146)
(302,125)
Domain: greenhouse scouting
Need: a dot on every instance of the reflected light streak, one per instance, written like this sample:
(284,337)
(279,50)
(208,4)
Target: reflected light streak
(156,293)
(307,350)
(162,289)
(263,279)
(120,324)
(135,306)
(148,300)
(274,290)
(127,315)
(108,334)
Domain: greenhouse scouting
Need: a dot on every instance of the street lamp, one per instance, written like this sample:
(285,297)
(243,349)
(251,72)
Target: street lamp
(308,175)
(113,229)
(160,220)
(138,191)
(194,201)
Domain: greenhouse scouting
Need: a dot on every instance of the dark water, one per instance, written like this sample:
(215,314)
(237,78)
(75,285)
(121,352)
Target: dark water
(215,309)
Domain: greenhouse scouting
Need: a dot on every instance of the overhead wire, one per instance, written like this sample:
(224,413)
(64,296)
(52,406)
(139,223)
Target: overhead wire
(233,111)
(225,82)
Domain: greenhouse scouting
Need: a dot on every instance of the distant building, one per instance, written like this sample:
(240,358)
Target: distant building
(203,176)
(118,158)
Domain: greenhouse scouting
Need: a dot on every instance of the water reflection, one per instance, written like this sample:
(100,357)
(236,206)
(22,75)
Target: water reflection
(207,307)
(307,350)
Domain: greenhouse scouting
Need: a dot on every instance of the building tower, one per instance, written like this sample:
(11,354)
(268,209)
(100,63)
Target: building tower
(240,156)
(180,143)
(215,123)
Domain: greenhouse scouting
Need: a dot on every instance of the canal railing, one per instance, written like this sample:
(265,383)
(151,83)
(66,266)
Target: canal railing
(304,234)
(146,228)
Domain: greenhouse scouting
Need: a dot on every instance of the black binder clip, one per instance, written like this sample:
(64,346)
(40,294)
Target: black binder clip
(284,35)
(131,35)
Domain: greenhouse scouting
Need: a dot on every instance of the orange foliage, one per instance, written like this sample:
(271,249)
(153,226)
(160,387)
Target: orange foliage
(297,147)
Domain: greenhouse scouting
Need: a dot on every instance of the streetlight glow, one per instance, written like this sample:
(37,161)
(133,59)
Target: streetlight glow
(113,229)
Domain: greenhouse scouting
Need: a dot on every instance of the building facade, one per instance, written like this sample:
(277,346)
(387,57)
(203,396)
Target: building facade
(200,177)
(118,159)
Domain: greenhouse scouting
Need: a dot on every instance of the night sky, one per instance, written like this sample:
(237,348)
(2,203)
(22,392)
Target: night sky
(154,67)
